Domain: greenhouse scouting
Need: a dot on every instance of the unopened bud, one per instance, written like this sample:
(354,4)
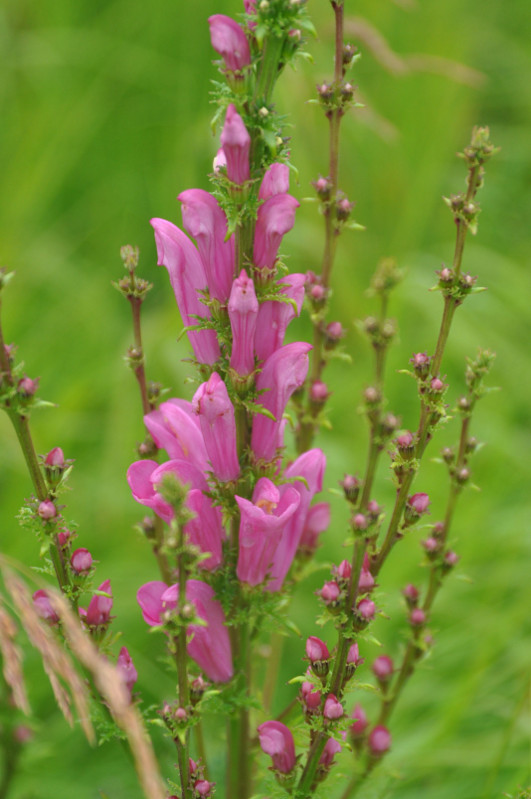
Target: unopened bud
(351,487)
(383,668)
(411,594)
(333,709)
(55,457)
(27,387)
(372,395)
(359,522)
(417,617)
(330,592)
(47,510)
(360,723)
(365,609)
(334,332)
(421,363)
(379,740)
(81,561)
(319,392)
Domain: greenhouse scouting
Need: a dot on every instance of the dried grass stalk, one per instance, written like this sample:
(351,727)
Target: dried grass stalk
(12,660)
(57,663)
(111,687)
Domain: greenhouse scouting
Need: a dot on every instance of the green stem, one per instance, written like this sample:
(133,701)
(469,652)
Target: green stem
(139,370)
(277,643)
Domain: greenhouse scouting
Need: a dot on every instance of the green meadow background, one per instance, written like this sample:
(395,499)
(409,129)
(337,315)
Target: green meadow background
(104,119)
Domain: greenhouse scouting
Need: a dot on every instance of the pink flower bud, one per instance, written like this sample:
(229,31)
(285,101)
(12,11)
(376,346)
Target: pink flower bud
(329,592)
(47,510)
(333,709)
(411,594)
(418,503)
(99,609)
(55,457)
(366,582)
(417,617)
(275,218)
(437,385)
(405,441)
(316,649)
(421,363)
(126,669)
(243,315)
(353,656)
(379,740)
(311,696)
(351,487)
(236,143)
(451,558)
(343,571)
(27,387)
(276,740)
(204,787)
(81,561)
(360,522)
(361,722)
(43,606)
(383,668)
(430,545)
(331,749)
(229,40)
(216,415)
(366,609)
(319,392)
(63,537)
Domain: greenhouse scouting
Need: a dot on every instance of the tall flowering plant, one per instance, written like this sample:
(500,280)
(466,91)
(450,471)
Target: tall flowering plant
(231,477)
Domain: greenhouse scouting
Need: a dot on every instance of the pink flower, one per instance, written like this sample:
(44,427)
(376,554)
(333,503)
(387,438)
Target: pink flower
(316,522)
(275,181)
(43,606)
(353,656)
(283,372)
(275,218)
(216,415)
(366,581)
(243,315)
(262,523)
(333,709)
(205,530)
(276,740)
(206,223)
(419,503)
(274,316)
(310,466)
(99,609)
(176,252)
(175,427)
(209,645)
(126,669)
(236,144)
(139,479)
(229,40)
(331,749)
(366,609)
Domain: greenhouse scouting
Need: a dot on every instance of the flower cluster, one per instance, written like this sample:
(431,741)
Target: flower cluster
(225,446)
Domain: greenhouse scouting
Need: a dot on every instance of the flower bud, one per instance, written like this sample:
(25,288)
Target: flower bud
(27,387)
(99,609)
(44,608)
(379,740)
(417,617)
(351,488)
(323,187)
(361,722)
(311,697)
(236,144)
(203,788)
(383,668)
(197,689)
(319,392)
(421,363)
(366,582)
(332,747)
(416,506)
(316,649)
(333,332)
(437,385)
(126,669)
(229,40)
(81,561)
(55,457)
(359,522)
(343,571)
(330,592)
(365,609)
(333,709)
(451,559)
(411,594)
(47,510)
(353,661)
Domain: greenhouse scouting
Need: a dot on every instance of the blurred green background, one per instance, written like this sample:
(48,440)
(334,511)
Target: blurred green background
(104,108)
